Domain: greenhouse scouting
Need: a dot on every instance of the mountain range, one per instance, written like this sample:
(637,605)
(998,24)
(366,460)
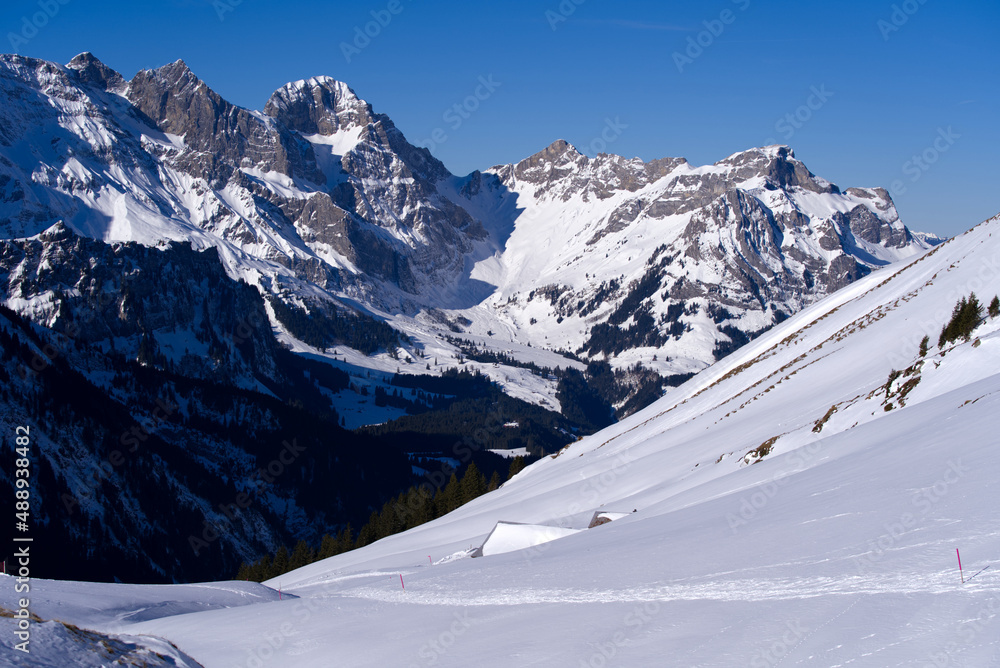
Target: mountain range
(322,203)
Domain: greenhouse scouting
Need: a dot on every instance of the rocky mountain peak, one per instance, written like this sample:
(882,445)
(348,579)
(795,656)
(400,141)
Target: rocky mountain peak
(92,71)
(218,135)
(779,167)
(559,151)
(553,162)
(175,98)
(319,105)
(58,232)
(175,76)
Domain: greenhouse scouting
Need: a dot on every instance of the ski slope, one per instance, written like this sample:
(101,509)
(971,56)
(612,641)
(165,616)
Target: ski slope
(792,507)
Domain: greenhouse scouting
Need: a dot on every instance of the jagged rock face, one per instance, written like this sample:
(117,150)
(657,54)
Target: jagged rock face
(204,326)
(319,179)
(97,74)
(560,167)
(778,168)
(318,106)
(219,137)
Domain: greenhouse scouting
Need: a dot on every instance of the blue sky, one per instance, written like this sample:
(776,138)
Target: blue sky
(901,94)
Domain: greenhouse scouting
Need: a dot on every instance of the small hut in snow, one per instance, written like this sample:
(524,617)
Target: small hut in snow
(511,536)
(603,517)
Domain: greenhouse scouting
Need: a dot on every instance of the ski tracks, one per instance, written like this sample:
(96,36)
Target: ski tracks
(745,590)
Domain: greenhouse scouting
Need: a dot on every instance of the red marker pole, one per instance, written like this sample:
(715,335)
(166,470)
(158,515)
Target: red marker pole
(429,560)
(960,565)
(401,582)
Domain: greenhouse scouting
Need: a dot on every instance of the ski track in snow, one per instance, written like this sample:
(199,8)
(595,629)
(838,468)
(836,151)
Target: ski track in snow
(746,590)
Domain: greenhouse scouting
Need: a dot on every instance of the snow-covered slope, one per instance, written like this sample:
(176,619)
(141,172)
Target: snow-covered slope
(796,504)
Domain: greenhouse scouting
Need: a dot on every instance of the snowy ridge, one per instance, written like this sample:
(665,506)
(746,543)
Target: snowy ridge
(796,504)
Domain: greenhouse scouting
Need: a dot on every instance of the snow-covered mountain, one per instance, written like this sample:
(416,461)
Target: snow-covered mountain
(322,203)
(798,503)
(619,256)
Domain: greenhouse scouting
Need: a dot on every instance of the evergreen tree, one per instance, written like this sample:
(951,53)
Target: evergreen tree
(972,317)
(417,507)
(280,564)
(345,541)
(302,555)
(994,310)
(965,317)
(368,533)
(516,466)
(389,521)
(494,482)
(924,342)
(473,485)
(581,403)
(261,570)
(328,547)
(446,500)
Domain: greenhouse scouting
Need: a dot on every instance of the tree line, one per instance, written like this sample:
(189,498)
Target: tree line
(409,509)
(965,317)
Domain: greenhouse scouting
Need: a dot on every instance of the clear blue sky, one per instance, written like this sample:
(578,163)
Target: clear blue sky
(887,81)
